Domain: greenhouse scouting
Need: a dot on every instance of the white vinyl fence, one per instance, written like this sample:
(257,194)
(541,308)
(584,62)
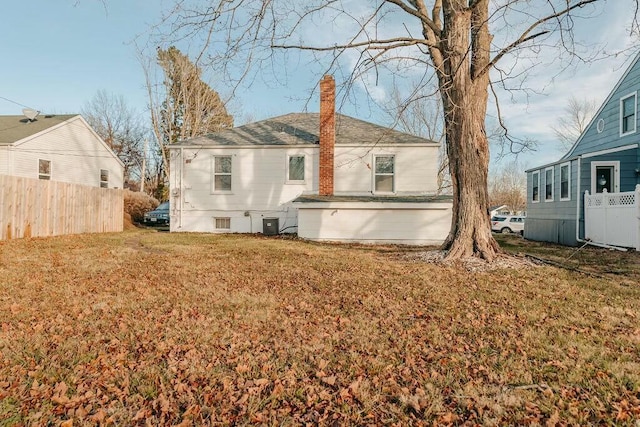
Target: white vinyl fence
(613,218)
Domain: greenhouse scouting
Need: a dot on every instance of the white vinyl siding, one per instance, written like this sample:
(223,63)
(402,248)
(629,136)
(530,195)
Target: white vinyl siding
(628,107)
(259,182)
(75,153)
(535,189)
(548,184)
(565,181)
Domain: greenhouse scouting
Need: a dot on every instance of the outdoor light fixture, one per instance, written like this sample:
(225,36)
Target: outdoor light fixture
(602,181)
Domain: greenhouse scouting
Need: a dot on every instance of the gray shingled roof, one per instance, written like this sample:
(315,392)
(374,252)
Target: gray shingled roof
(15,128)
(303,128)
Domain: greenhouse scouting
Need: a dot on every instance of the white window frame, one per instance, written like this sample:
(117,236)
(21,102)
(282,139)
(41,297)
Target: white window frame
(635,113)
(44,176)
(375,173)
(568,166)
(214,174)
(533,185)
(104,183)
(304,169)
(553,178)
(616,174)
(227,221)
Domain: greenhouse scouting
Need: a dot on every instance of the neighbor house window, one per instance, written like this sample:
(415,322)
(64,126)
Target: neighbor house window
(223,223)
(628,114)
(565,181)
(44,169)
(104,178)
(222,173)
(535,178)
(384,174)
(548,184)
(295,169)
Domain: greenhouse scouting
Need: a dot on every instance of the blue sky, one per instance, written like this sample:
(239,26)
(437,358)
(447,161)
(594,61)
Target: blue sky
(58,54)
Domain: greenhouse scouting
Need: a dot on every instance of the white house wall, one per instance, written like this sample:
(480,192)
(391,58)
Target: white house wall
(76,154)
(260,190)
(367,224)
(416,168)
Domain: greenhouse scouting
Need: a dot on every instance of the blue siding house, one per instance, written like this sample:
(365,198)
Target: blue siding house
(604,159)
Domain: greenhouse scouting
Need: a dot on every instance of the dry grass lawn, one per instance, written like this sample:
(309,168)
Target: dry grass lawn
(146,328)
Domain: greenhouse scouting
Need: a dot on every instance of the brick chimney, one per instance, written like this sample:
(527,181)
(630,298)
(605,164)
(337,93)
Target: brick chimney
(327,134)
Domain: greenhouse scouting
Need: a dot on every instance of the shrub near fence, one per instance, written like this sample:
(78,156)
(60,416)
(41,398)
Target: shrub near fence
(37,208)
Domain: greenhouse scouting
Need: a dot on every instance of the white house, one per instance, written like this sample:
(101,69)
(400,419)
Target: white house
(325,176)
(57,148)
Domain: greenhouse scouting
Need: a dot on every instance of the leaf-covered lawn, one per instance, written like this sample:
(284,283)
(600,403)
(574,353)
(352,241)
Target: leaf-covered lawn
(165,329)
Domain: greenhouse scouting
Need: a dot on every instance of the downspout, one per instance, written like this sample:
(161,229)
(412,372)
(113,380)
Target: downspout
(579,197)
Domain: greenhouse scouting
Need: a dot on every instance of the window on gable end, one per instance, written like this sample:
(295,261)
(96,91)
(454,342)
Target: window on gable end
(104,178)
(44,169)
(628,114)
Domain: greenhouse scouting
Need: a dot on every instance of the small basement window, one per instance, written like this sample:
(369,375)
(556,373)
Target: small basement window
(223,223)
(104,178)
(44,169)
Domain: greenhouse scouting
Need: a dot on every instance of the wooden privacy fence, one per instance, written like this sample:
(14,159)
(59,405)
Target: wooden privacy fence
(613,218)
(37,208)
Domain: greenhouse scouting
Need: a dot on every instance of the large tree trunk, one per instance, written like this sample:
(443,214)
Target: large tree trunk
(464,95)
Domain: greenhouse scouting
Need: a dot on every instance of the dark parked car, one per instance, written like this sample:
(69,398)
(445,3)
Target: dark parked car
(158,216)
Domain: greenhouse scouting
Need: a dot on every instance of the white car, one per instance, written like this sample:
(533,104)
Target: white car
(507,224)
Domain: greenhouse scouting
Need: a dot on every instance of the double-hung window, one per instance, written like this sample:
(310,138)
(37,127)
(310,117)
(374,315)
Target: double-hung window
(295,169)
(384,174)
(548,184)
(104,178)
(44,169)
(535,191)
(628,114)
(565,181)
(221,174)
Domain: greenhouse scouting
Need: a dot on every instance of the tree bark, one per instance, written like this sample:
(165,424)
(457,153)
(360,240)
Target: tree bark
(464,90)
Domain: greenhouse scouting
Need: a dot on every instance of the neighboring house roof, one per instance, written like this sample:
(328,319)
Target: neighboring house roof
(569,154)
(16,128)
(303,128)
